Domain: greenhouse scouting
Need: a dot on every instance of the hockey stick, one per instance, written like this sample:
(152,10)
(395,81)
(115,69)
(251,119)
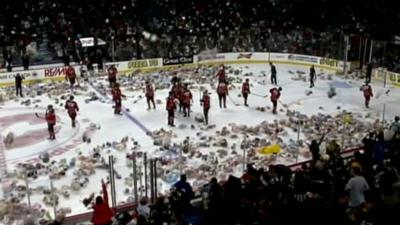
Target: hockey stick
(235,103)
(263,96)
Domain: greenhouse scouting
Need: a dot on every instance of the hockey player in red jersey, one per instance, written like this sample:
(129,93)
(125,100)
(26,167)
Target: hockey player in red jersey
(222,91)
(177,90)
(171,106)
(187,99)
(112,75)
(221,74)
(117,98)
(205,102)
(72,108)
(275,94)
(149,92)
(246,91)
(70,76)
(50,117)
(367,91)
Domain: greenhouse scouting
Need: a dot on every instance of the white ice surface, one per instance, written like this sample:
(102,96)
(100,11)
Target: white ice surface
(113,127)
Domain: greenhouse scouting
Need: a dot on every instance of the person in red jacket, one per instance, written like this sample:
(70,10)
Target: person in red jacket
(149,92)
(275,94)
(246,91)
(50,117)
(221,74)
(177,90)
(205,102)
(171,106)
(72,108)
(222,91)
(112,75)
(70,75)
(367,91)
(187,99)
(102,213)
(117,98)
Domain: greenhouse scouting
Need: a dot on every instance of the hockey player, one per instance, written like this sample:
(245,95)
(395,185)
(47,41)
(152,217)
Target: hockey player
(117,97)
(313,76)
(50,117)
(177,90)
(205,102)
(367,91)
(18,84)
(170,107)
(273,74)
(246,91)
(72,108)
(112,75)
(70,75)
(275,94)
(149,92)
(222,91)
(187,99)
(221,74)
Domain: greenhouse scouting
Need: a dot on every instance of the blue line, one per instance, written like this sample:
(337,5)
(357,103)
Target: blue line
(128,115)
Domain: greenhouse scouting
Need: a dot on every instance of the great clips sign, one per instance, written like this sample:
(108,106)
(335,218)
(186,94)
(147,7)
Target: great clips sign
(177,60)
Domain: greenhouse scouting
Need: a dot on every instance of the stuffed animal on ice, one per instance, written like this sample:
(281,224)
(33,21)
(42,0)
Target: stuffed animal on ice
(331,91)
(270,149)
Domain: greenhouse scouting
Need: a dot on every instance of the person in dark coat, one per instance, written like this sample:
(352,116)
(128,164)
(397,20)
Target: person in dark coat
(25,61)
(314,148)
(18,84)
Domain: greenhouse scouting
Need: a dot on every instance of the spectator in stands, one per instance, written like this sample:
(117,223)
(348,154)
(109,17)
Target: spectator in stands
(102,214)
(357,186)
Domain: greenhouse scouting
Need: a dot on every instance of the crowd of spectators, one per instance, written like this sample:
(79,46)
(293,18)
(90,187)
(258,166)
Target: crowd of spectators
(363,189)
(164,28)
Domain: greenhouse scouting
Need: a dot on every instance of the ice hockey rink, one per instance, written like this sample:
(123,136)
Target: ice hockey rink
(214,150)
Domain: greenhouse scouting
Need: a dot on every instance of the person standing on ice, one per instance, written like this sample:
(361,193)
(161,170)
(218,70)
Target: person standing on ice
(177,90)
(367,91)
(246,91)
(222,91)
(275,94)
(368,73)
(149,92)
(72,108)
(70,75)
(187,99)
(221,74)
(112,75)
(273,74)
(117,98)
(50,117)
(171,106)
(18,84)
(102,213)
(205,102)
(313,76)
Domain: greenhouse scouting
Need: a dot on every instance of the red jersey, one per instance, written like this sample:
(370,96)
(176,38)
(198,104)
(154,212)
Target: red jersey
(206,101)
(50,117)
(116,93)
(187,97)
(275,94)
(246,88)
(112,72)
(102,213)
(177,90)
(222,89)
(171,103)
(149,91)
(71,106)
(221,74)
(367,90)
(70,73)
